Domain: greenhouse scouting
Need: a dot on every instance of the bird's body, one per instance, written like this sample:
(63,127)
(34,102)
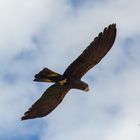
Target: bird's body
(47,75)
(71,78)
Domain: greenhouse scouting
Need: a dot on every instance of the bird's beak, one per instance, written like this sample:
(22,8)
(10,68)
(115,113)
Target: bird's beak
(86,89)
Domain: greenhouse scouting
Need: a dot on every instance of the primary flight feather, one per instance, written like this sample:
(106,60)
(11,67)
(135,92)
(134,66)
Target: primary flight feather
(71,77)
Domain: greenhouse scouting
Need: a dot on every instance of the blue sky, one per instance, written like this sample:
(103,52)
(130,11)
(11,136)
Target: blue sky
(38,33)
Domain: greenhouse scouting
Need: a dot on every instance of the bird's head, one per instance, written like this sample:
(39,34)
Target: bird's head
(85,86)
(86,89)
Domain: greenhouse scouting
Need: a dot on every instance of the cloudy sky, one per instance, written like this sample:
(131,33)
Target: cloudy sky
(52,33)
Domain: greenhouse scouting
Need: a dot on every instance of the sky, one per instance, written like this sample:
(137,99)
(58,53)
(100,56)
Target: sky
(52,33)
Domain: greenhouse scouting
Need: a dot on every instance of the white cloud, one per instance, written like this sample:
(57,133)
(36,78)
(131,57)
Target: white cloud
(40,33)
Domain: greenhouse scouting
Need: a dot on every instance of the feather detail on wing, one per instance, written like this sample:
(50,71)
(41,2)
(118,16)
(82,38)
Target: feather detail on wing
(93,53)
(47,103)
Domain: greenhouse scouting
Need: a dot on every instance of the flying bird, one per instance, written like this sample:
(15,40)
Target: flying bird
(71,78)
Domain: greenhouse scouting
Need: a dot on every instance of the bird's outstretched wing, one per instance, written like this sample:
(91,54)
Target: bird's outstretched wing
(47,103)
(93,53)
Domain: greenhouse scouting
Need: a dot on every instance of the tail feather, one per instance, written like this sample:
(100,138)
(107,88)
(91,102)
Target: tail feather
(47,75)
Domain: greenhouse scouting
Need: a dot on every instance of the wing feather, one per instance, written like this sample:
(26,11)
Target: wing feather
(51,98)
(93,53)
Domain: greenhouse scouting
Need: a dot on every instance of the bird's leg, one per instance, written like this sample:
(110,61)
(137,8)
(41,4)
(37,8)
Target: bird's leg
(62,82)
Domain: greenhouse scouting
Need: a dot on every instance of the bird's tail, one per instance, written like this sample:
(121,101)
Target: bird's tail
(47,75)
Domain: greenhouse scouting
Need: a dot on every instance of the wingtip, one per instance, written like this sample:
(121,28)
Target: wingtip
(112,25)
(35,80)
(25,117)
(22,118)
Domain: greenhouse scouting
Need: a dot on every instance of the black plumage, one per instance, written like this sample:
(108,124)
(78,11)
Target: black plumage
(71,78)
